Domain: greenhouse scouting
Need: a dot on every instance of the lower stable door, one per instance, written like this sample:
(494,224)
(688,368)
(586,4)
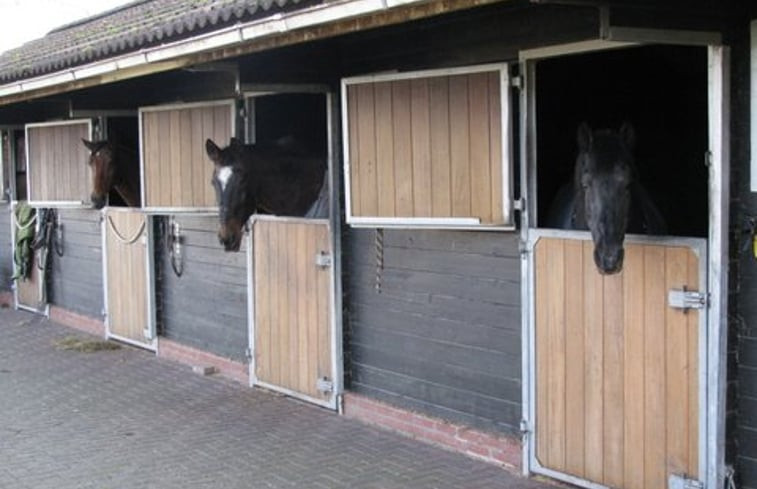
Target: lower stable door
(292,329)
(618,365)
(127,241)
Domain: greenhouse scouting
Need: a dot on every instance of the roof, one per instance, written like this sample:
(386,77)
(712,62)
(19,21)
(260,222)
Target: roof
(129,28)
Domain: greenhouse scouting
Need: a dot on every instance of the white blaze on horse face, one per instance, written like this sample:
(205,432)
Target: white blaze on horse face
(223,176)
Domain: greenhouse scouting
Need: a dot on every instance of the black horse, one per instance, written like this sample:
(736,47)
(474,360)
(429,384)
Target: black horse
(606,196)
(276,178)
(113,167)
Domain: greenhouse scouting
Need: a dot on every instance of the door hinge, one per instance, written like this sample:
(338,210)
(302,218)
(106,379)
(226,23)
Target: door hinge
(324,385)
(686,299)
(248,354)
(516,81)
(525,428)
(323,259)
(676,481)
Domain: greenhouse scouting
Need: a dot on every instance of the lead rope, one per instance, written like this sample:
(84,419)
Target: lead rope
(172,235)
(120,237)
(379,242)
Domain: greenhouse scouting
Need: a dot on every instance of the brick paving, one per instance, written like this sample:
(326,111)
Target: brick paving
(127,419)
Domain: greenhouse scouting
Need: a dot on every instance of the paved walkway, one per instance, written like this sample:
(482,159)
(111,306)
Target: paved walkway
(127,419)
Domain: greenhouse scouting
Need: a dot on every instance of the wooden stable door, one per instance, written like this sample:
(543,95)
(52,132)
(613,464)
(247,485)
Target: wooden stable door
(617,391)
(128,284)
(292,308)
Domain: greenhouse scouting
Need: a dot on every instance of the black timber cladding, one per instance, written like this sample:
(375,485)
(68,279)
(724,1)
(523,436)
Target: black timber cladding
(205,308)
(437,328)
(75,281)
(6,248)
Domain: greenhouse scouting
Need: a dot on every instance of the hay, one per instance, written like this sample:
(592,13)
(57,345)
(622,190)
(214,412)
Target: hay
(75,343)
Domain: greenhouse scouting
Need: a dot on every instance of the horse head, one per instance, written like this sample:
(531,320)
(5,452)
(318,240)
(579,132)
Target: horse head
(605,174)
(103,171)
(235,200)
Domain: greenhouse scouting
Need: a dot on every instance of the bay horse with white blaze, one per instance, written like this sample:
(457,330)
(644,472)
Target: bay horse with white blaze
(274,178)
(114,167)
(606,196)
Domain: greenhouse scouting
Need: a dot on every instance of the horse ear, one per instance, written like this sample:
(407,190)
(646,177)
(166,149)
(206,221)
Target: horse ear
(628,135)
(584,137)
(214,152)
(91,145)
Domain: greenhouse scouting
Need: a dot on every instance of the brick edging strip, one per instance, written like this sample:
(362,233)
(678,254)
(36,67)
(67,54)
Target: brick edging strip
(187,355)
(497,449)
(77,321)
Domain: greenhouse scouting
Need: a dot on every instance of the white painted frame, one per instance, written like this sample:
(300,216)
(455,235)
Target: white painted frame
(151,342)
(159,108)
(437,222)
(712,454)
(73,204)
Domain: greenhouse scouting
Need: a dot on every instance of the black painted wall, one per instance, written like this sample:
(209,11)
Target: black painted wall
(437,329)
(205,308)
(6,248)
(75,281)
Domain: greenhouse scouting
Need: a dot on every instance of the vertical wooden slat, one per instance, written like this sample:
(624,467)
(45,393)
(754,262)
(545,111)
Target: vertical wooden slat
(495,147)
(441,191)
(654,363)
(459,146)
(353,106)
(208,131)
(384,149)
(262,289)
(542,358)
(367,150)
(175,143)
(676,366)
(305,381)
(199,159)
(421,150)
(187,162)
(594,376)
(311,301)
(163,194)
(285,304)
(574,365)
(693,371)
(613,380)
(633,367)
(478,95)
(403,159)
(322,283)
(556,352)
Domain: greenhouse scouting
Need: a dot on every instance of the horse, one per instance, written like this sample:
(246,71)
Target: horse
(606,196)
(113,167)
(270,178)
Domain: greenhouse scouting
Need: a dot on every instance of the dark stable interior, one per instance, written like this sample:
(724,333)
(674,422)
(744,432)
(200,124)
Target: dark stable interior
(123,131)
(662,92)
(301,117)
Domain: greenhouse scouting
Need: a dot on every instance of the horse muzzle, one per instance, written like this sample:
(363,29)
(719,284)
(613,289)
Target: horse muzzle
(98,202)
(609,262)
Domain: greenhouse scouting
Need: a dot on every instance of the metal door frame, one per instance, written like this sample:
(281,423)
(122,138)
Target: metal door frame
(715,354)
(151,336)
(334,232)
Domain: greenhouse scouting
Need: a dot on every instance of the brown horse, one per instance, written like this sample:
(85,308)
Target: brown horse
(113,167)
(273,179)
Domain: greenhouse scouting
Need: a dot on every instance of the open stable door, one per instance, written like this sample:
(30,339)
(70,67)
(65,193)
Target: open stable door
(127,241)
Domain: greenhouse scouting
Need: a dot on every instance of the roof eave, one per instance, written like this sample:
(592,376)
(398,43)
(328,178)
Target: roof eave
(308,24)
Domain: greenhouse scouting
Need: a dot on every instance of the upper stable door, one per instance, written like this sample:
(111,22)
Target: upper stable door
(620,380)
(57,170)
(429,149)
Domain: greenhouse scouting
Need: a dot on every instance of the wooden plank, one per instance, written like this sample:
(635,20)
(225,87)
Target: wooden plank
(173,184)
(198,159)
(460,146)
(208,131)
(557,354)
(163,195)
(613,380)
(692,328)
(633,367)
(187,173)
(304,378)
(574,353)
(441,190)
(311,303)
(421,147)
(286,302)
(480,142)
(676,366)
(262,299)
(367,150)
(495,148)
(322,288)
(149,148)
(594,374)
(654,365)
(384,149)
(353,106)
(403,169)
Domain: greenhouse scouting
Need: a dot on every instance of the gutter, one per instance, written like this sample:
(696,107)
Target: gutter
(180,53)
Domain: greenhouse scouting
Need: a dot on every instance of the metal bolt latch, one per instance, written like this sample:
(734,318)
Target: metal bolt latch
(323,259)
(686,299)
